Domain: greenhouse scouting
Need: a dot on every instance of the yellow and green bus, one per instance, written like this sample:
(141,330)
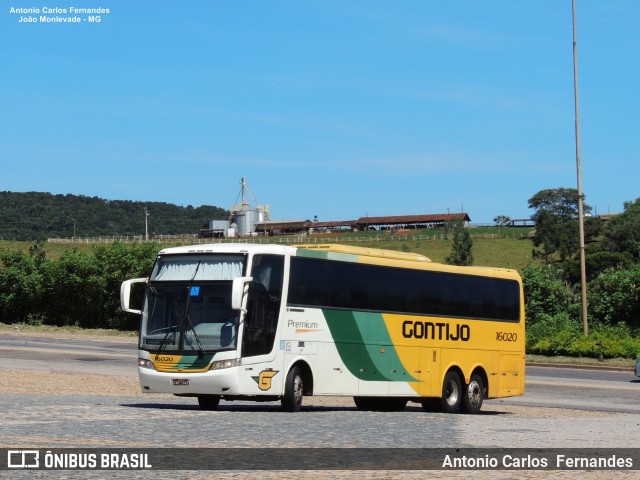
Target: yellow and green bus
(271,322)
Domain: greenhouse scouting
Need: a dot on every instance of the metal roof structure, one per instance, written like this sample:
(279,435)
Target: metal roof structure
(363,223)
(413,220)
(334,225)
(284,226)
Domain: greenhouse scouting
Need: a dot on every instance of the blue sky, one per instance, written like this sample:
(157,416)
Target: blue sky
(338,109)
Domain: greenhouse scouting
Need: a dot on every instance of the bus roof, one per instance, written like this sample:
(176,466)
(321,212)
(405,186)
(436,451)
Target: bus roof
(224,248)
(365,252)
(339,252)
(391,258)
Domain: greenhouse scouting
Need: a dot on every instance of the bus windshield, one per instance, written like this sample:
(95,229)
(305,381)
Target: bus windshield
(187,305)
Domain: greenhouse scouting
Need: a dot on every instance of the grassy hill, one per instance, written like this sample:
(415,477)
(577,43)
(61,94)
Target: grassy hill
(507,248)
(510,248)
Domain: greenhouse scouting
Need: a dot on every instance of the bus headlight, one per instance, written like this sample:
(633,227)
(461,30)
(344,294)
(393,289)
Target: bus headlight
(220,364)
(144,363)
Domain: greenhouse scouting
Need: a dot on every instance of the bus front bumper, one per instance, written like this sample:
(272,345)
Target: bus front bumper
(213,382)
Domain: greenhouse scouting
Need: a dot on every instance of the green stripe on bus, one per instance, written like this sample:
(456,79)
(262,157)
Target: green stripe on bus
(193,362)
(380,346)
(350,345)
(365,347)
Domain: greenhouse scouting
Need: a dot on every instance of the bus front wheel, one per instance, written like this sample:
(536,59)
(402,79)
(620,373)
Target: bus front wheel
(293,391)
(208,402)
(451,392)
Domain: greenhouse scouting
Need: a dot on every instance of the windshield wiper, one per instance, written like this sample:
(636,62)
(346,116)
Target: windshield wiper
(195,335)
(187,319)
(170,331)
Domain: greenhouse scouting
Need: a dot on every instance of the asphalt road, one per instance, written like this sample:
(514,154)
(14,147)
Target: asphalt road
(591,409)
(597,390)
(577,388)
(78,354)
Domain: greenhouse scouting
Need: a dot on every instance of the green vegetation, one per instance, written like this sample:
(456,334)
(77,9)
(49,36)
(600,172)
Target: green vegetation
(551,291)
(78,285)
(462,248)
(495,247)
(554,325)
(66,285)
(77,289)
(36,216)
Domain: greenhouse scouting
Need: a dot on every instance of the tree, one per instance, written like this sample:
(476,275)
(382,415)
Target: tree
(461,251)
(556,220)
(622,233)
(615,297)
(502,221)
(36,216)
(546,293)
(561,202)
(555,236)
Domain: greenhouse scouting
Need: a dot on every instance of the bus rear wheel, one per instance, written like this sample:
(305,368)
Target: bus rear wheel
(293,391)
(208,402)
(473,395)
(451,392)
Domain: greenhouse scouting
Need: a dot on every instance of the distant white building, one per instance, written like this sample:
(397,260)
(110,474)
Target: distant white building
(219,228)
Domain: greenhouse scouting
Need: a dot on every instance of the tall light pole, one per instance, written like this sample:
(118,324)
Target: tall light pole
(583,274)
(146,225)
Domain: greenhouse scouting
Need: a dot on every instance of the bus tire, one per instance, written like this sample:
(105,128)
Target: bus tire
(364,403)
(293,391)
(473,395)
(451,392)
(208,402)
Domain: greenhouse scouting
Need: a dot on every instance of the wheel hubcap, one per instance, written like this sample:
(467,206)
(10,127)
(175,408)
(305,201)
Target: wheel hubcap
(297,389)
(474,393)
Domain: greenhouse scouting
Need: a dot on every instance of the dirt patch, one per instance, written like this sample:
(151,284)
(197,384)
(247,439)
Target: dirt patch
(68,332)
(56,383)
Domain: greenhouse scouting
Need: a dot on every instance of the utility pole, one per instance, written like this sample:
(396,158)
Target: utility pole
(583,273)
(146,225)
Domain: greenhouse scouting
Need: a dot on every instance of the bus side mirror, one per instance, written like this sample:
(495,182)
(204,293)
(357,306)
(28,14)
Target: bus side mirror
(237,292)
(125,294)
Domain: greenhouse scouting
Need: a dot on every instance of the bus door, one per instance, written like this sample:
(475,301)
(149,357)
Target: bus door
(262,373)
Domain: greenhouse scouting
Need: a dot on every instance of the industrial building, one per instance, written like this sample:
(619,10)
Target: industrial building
(244,218)
(249,220)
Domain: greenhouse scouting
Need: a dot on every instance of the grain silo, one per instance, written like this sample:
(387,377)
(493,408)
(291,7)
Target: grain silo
(246,216)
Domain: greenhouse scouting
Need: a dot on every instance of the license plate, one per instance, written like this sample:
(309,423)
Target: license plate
(180,381)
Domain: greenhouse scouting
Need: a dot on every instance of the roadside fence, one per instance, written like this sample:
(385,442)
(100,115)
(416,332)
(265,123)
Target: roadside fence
(287,240)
